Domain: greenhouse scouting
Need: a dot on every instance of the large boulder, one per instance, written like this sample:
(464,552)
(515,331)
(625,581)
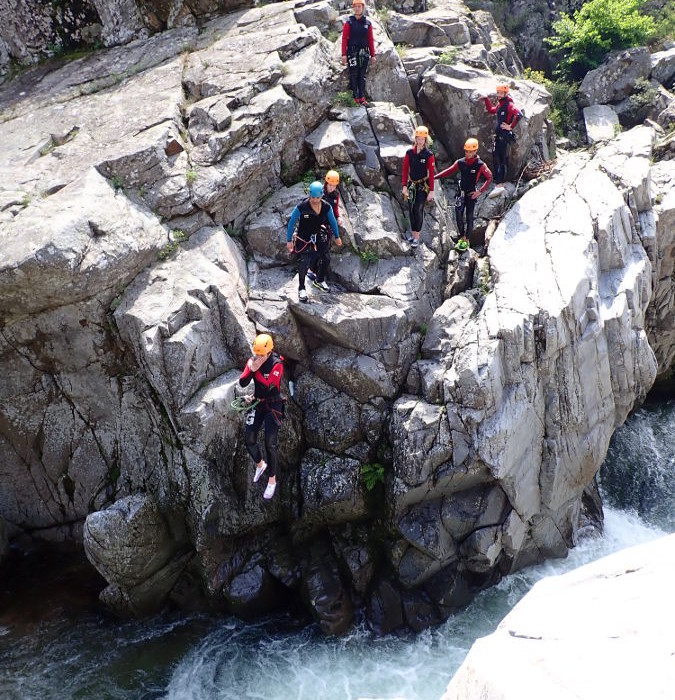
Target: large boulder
(532,651)
(616,77)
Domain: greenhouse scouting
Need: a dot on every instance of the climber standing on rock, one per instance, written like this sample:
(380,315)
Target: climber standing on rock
(331,195)
(418,181)
(313,217)
(470,169)
(507,118)
(266,369)
(358,49)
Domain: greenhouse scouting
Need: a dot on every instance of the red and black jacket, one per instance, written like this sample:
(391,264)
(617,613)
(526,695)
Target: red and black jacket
(333,198)
(418,166)
(357,34)
(267,381)
(470,170)
(506,111)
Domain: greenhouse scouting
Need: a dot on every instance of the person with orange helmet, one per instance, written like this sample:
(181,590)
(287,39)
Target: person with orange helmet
(471,168)
(418,181)
(331,195)
(358,49)
(507,118)
(265,368)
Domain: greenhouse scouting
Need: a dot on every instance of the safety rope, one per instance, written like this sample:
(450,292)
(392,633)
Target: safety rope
(311,241)
(244,403)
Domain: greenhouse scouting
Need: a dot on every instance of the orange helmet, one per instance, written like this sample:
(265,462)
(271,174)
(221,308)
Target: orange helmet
(503,87)
(262,345)
(333,177)
(422,131)
(471,145)
(359,2)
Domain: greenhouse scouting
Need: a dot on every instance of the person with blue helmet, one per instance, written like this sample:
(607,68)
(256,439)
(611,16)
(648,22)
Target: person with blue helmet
(311,242)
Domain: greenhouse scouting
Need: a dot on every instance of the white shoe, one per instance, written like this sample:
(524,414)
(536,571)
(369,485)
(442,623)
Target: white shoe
(259,471)
(269,491)
(499,189)
(302,295)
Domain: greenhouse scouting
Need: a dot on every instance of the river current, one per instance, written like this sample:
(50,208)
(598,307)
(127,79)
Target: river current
(57,645)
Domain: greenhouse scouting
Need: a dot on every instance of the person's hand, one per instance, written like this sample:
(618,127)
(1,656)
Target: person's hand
(339,220)
(505,126)
(372,60)
(405,192)
(338,242)
(255,362)
(343,60)
(475,194)
(248,400)
(289,246)
(430,196)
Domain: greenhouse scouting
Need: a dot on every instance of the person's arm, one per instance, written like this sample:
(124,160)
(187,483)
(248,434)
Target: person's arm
(487,174)
(371,41)
(448,171)
(295,216)
(345,40)
(246,375)
(336,206)
(406,169)
(275,379)
(489,106)
(431,163)
(333,223)
(514,116)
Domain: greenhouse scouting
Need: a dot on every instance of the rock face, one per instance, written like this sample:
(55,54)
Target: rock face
(447,412)
(581,634)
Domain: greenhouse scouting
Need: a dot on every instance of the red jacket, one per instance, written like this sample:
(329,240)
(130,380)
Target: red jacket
(429,165)
(345,39)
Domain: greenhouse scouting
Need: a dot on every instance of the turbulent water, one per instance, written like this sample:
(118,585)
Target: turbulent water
(57,646)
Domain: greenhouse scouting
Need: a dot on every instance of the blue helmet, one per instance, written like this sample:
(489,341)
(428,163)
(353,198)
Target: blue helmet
(316,189)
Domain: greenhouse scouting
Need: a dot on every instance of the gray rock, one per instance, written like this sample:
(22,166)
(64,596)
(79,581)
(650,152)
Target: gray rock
(615,78)
(602,123)
(663,67)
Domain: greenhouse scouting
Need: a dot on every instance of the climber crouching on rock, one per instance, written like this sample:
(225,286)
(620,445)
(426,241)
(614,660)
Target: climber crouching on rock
(418,181)
(358,49)
(470,169)
(311,242)
(266,369)
(507,118)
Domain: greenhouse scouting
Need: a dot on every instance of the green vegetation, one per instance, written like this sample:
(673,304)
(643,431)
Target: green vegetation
(177,237)
(449,56)
(345,178)
(117,182)
(368,256)
(332,35)
(383,15)
(190,176)
(234,232)
(665,22)
(307,179)
(581,42)
(25,201)
(372,475)
(643,98)
(564,109)
(343,99)
(402,50)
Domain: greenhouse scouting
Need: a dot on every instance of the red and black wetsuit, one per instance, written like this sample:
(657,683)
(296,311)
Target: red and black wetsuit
(267,381)
(333,198)
(418,177)
(358,45)
(507,113)
(470,170)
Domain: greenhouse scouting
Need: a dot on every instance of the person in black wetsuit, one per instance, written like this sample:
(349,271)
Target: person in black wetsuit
(331,195)
(418,181)
(358,49)
(507,118)
(470,169)
(266,369)
(313,216)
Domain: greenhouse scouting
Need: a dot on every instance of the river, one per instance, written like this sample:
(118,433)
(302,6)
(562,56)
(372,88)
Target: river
(56,645)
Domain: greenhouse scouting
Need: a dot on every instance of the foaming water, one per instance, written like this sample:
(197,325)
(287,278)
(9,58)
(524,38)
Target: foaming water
(64,651)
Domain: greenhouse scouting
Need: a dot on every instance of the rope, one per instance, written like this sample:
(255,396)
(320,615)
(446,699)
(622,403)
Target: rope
(244,403)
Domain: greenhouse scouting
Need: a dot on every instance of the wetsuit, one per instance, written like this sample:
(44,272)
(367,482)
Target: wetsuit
(269,411)
(358,45)
(507,113)
(321,260)
(310,235)
(333,198)
(470,169)
(418,176)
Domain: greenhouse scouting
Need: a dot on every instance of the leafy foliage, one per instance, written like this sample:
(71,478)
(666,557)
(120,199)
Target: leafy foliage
(564,109)
(372,474)
(583,41)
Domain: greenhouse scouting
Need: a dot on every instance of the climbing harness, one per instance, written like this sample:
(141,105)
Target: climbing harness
(311,241)
(412,188)
(240,404)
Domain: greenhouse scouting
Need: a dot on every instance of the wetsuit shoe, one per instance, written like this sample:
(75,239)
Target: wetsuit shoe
(311,275)
(302,295)
(269,490)
(322,286)
(259,471)
(414,242)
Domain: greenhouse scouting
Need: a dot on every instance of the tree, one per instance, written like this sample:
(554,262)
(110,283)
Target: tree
(581,42)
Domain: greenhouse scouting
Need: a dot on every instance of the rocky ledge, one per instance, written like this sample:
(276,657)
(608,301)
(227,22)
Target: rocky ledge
(449,411)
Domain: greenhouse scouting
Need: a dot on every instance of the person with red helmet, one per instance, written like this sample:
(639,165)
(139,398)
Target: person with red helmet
(265,368)
(507,118)
(358,49)
(470,169)
(418,181)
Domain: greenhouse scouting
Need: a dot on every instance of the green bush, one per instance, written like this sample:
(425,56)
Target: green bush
(564,110)
(372,475)
(582,42)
